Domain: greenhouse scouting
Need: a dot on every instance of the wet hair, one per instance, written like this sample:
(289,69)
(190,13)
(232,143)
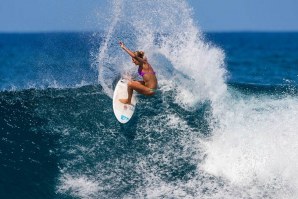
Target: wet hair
(139,54)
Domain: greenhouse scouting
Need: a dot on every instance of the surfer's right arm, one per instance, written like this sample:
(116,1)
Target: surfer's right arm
(130,52)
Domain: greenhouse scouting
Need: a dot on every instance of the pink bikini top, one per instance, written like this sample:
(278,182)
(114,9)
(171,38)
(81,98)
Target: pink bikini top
(143,73)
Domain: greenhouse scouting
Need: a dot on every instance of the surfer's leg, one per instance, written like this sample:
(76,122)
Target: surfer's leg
(138,86)
(129,92)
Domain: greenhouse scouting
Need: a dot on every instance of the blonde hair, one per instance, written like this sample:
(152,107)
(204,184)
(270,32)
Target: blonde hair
(139,54)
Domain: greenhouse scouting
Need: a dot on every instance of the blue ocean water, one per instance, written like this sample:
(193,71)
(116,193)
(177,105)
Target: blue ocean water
(42,60)
(260,58)
(36,60)
(222,125)
(49,120)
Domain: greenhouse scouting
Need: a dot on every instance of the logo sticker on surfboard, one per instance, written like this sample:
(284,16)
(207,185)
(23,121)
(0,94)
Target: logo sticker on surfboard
(123,117)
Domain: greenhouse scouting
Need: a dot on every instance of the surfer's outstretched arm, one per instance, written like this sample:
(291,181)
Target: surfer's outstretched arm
(130,52)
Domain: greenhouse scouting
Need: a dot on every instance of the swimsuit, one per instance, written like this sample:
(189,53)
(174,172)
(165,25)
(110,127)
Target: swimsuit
(153,90)
(143,73)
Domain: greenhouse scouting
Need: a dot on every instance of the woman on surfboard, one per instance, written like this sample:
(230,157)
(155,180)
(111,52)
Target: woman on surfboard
(149,84)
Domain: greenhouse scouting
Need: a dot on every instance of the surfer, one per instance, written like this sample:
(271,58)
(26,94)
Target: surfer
(149,84)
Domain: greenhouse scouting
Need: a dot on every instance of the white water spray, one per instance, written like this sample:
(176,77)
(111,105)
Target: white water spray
(173,44)
(103,58)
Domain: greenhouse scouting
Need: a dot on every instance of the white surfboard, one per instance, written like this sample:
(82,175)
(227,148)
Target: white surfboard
(123,112)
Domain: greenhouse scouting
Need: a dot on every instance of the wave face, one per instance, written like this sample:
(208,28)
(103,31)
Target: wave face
(66,143)
(202,135)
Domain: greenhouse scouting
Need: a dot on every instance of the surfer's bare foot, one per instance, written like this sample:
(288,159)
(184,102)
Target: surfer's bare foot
(124,101)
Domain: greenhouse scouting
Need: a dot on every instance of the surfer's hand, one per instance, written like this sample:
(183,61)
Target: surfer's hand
(121,44)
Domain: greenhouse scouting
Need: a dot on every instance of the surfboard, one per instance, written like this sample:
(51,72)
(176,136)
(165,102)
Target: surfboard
(123,112)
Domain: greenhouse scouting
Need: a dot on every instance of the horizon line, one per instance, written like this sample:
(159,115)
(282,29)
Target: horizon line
(94,31)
